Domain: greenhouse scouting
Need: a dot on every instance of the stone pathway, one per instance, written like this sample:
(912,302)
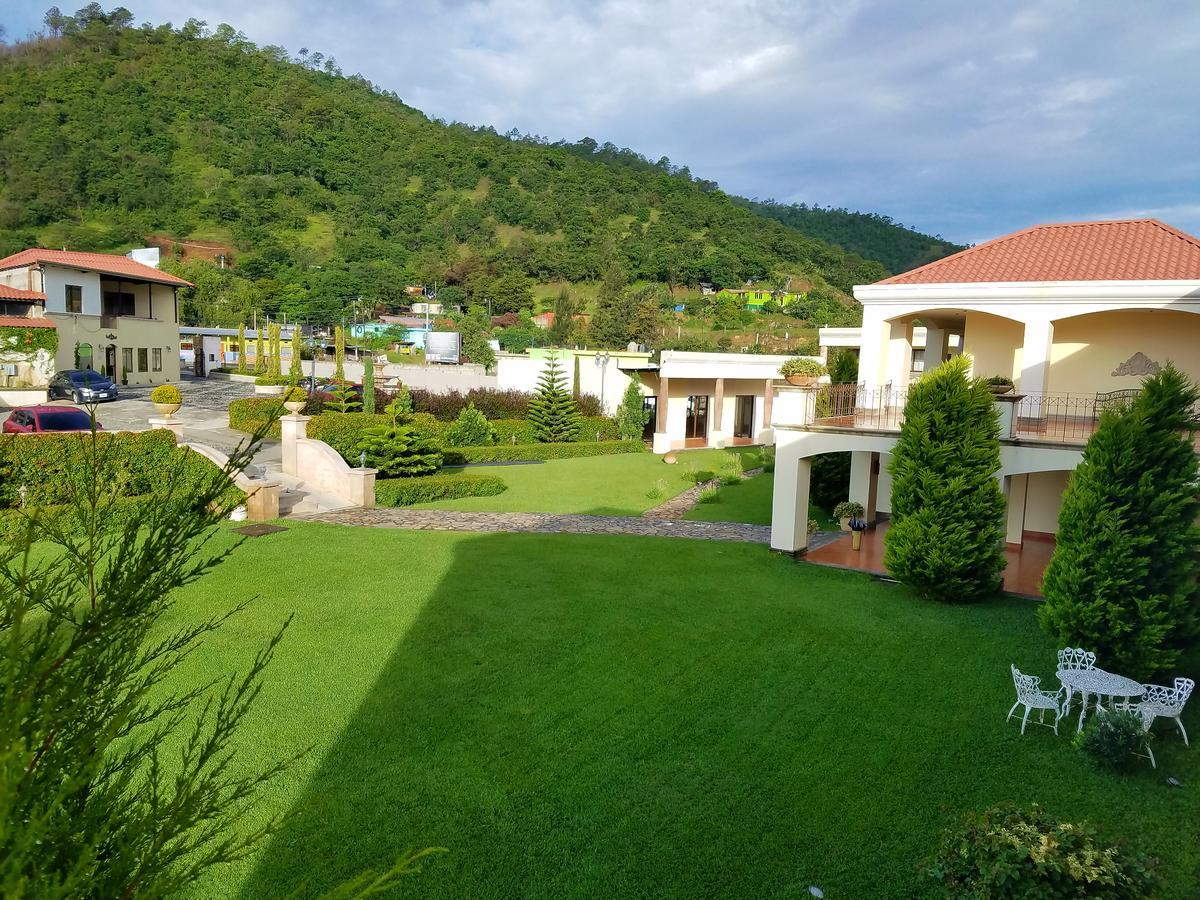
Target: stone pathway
(677,506)
(544,523)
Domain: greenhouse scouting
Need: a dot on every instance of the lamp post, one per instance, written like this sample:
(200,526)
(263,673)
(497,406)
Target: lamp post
(602,360)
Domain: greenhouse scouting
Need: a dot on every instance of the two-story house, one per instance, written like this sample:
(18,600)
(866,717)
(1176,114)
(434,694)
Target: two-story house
(113,313)
(1075,314)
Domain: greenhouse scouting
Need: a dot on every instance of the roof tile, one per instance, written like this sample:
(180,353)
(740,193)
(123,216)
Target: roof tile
(106,263)
(12,293)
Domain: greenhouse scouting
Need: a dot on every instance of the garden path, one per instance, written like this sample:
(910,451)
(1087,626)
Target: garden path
(681,503)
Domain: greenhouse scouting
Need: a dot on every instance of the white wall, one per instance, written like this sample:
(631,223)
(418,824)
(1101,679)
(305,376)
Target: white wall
(56,281)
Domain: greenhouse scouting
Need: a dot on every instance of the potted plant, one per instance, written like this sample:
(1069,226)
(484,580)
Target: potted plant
(801,371)
(166,399)
(1000,384)
(857,527)
(124,375)
(294,399)
(847,510)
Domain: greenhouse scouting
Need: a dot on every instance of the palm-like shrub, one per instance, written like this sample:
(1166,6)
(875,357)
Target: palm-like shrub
(470,429)
(399,450)
(552,411)
(632,414)
(947,506)
(1123,579)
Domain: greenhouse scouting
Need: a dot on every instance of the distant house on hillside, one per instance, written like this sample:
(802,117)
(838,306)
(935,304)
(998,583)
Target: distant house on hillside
(753,298)
(546,319)
(112,313)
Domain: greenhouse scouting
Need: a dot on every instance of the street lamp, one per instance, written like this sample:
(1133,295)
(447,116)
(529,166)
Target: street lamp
(602,360)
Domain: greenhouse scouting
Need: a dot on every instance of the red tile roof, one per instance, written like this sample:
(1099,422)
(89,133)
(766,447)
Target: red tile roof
(12,293)
(1130,250)
(22,322)
(105,263)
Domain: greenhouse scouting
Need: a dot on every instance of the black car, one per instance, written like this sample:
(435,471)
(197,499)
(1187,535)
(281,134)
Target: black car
(82,386)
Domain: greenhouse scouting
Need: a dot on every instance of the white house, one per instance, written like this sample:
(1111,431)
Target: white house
(1075,314)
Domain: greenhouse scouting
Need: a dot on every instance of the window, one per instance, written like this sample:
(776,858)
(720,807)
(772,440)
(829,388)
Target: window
(156,359)
(126,360)
(918,360)
(143,359)
(118,303)
(74,298)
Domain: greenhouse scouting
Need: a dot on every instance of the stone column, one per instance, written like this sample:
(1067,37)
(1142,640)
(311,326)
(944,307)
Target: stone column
(899,354)
(864,482)
(873,353)
(716,430)
(1015,487)
(292,429)
(789,506)
(662,441)
(168,423)
(1035,358)
(935,346)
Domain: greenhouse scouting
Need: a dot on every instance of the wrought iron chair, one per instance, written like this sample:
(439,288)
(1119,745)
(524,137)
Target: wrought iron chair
(1031,696)
(1168,702)
(1075,658)
(1147,716)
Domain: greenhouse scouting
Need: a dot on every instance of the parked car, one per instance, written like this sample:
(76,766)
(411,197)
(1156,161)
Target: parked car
(82,386)
(46,419)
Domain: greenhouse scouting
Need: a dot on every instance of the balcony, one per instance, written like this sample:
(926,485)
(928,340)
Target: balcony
(1068,419)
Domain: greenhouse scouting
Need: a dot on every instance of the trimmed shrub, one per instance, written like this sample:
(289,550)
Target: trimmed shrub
(166,393)
(270,379)
(947,506)
(407,491)
(344,431)
(523,452)
(1112,737)
(398,451)
(1123,578)
(552,411)
(1009,852)
(251,413)
(470,429)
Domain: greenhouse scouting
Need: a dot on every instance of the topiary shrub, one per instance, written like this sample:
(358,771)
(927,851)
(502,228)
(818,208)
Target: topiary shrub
(1123,578)
(166,394)
(947,506)
(343,431)
(407,491)
(470,429)
(552,411)
(251,413)
(1113,737)
(1009,852)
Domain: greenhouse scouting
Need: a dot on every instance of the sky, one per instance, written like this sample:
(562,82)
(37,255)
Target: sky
(968,120)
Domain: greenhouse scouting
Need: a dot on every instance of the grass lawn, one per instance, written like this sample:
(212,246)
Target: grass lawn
(581,715)
(602,485)
(749,502)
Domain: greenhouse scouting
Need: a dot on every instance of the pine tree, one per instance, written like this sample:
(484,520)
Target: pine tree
(632,414)
(241,341)
(552,412)
(339,354)
(260,354)
(368,401)
(947,505)
(1123,579)
(296,369)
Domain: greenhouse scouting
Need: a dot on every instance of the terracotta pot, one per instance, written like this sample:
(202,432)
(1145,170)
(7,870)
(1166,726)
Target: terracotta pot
(295,407)
(802,380)
(166,410)
(845,520)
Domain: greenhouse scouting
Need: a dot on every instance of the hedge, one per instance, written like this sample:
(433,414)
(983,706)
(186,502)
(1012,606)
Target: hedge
(522,452)
(407,491)
(492,403)
(141,459)
(251,413)
(342,431)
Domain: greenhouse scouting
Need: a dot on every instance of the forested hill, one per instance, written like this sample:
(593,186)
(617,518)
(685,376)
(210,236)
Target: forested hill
(317,188)
(869,235)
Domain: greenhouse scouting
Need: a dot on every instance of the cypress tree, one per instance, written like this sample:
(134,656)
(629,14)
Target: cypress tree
(1123,578)
(274,367)
(241,339)
(339,354)
(368,383)
(552,411)
(947,505)
(632,414)
(260,355)
(296,369)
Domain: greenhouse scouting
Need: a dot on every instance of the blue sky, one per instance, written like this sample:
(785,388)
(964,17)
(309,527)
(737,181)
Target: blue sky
(965,119)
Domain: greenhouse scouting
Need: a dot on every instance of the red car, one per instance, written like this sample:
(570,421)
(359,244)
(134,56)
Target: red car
(45,419)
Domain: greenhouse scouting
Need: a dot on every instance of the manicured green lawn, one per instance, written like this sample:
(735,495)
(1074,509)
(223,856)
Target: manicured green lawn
(607,716)
(750,502)
(603,485)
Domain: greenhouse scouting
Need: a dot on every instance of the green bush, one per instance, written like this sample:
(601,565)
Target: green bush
(1113,737)
(700,476)
(270,379)
(522,452)
(709,495)
(1009,852)
(470,429)
(407,491)
(946,538)
(344,431)
(251,413)
(166,393)
(397,451)
(1123,578)
(632,414)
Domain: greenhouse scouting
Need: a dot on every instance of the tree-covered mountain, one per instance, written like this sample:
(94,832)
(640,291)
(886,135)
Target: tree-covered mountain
(870,235)
(316,188)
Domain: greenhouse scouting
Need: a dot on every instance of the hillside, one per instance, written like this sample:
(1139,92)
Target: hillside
(319,189)
(870,235)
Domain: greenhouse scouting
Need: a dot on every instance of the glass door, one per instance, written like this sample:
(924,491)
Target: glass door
(650,404)
(743,416)
(697,417)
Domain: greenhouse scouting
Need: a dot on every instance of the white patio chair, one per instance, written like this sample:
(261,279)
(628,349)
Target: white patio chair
(1147,718)
(1168,702)
(1031,696)
(1075,658)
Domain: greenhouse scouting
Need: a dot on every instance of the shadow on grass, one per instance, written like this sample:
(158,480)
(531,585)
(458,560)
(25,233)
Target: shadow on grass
(634,717)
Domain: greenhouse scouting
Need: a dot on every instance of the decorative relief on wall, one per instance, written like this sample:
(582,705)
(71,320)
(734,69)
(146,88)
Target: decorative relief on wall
(1139,364)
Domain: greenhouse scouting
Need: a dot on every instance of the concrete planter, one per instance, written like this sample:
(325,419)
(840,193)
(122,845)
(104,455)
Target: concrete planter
(802,380)
(845,522)
(22,396)
(166,410)
(295,407)
(270,389)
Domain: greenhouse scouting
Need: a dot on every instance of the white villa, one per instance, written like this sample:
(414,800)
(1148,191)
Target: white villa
(1075,314)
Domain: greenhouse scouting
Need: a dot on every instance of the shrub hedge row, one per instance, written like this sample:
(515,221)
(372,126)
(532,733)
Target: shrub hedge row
(492,403)
(407,491)
(342,431)
(521,452)
(120,513)
(251,413)
(140,461)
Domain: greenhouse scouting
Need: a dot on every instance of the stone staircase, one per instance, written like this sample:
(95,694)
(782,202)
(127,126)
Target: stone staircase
(296,499)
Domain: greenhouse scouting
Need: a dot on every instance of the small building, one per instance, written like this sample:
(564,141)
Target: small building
(219,346)
(112,313)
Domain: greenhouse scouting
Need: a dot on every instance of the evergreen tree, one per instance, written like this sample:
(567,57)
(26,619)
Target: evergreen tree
(470,429)
(241,341)
(339,354)
(399,450)
(552,411)
(613,314)
(402,402)
(566,308)
(296,369)
(368,401)
(475,346)
(260,354)
(947,505)
(1123,579)
(275,352)
(843,367)
(632,414)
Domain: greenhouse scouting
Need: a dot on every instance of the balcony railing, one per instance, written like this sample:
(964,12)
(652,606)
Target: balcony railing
(1049,418)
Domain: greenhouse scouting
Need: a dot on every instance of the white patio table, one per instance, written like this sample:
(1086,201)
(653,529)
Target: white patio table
(1099,683)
